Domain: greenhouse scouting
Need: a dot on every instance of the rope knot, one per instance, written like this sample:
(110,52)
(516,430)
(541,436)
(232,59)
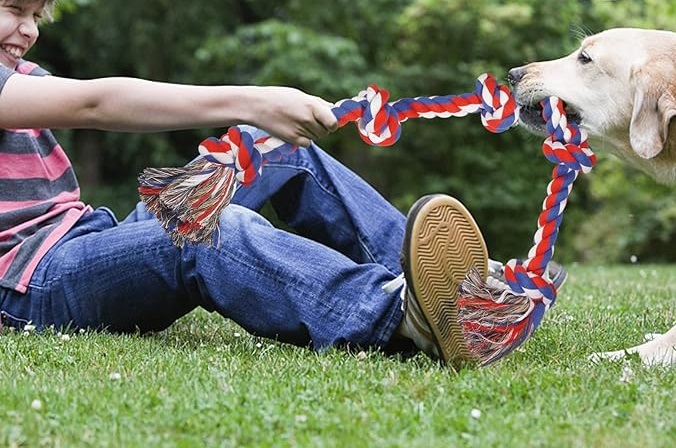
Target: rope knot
(572,156)
(500,110)
(566,145)
(530,283)
(238,150)
(377,119)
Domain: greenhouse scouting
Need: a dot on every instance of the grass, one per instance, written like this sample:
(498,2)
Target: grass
(205,383)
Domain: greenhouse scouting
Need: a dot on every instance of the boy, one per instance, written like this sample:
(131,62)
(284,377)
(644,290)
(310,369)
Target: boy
(337,281)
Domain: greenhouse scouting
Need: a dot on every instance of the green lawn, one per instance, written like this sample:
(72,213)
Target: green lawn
(207,383)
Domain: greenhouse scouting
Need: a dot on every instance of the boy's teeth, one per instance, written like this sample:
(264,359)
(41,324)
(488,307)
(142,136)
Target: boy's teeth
(12,50)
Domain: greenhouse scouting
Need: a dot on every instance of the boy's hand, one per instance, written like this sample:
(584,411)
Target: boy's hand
(292,115)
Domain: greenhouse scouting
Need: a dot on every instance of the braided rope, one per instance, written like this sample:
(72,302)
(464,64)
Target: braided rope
(568,148)
(516,313)
(378,122)
(189,200)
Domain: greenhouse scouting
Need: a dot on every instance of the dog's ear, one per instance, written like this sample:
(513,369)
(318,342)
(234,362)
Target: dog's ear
(654,107)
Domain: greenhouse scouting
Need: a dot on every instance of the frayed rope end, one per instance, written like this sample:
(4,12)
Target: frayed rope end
(494,321)
(188,201)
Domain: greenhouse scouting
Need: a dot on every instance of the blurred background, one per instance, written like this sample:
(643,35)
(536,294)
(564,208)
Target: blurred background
(335,49)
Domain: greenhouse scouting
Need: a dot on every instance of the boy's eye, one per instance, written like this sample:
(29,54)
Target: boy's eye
(17,9)
(20,10)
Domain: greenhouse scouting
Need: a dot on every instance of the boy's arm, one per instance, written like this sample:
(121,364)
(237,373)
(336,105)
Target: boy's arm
(131,104)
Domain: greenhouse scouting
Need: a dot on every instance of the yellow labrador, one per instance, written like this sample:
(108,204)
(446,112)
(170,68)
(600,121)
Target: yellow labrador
(620,86)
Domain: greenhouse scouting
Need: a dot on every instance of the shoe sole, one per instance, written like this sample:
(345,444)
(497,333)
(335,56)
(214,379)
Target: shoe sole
(442,244)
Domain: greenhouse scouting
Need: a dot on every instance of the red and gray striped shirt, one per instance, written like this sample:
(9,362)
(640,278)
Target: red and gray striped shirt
(39,195)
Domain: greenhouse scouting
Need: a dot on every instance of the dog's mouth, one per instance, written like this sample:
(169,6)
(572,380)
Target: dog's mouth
(530,115)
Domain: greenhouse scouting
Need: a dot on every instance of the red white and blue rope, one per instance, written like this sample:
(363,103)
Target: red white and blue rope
(378,121)
(188,201)
(566,147)
(489,337)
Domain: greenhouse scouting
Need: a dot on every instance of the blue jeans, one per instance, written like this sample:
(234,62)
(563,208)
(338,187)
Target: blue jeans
(319,285)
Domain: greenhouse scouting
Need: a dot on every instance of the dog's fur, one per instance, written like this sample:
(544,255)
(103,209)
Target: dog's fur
(620,86)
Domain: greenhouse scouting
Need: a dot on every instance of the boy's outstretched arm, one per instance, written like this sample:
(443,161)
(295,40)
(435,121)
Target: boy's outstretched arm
(137,105)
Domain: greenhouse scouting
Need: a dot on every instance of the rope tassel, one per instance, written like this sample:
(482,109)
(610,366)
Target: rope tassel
(188,201)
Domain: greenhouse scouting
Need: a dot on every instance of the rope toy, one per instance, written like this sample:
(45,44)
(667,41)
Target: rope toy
(188,200)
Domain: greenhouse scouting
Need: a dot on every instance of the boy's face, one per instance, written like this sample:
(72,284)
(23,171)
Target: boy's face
(18,28)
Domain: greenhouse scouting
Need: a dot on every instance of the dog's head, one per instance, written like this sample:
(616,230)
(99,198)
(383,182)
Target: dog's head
(619,85)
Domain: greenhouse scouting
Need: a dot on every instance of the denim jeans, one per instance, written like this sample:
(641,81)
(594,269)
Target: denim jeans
(318,284)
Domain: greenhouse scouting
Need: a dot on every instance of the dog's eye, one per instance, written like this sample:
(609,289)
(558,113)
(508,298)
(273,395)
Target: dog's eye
(584,58)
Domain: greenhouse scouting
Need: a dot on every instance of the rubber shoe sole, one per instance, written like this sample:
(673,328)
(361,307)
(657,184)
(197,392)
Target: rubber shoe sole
(442,243)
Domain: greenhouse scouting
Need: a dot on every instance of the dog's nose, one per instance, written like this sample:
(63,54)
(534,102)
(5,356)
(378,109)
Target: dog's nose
(515,75)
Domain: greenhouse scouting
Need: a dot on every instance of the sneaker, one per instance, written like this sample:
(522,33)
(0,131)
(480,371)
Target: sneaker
(441,244)
(554,272)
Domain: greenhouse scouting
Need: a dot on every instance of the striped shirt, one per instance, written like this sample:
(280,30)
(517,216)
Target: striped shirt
(39,195)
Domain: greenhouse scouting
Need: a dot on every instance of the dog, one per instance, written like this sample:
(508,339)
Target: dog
(620,87)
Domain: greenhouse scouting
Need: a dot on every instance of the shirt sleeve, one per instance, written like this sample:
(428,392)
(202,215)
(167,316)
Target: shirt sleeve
(5,73)
(25,67)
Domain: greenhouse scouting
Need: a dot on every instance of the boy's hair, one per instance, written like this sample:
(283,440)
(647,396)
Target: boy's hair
(49,9)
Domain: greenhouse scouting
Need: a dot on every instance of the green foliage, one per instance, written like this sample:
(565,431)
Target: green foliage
(277,50)
(411,47)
